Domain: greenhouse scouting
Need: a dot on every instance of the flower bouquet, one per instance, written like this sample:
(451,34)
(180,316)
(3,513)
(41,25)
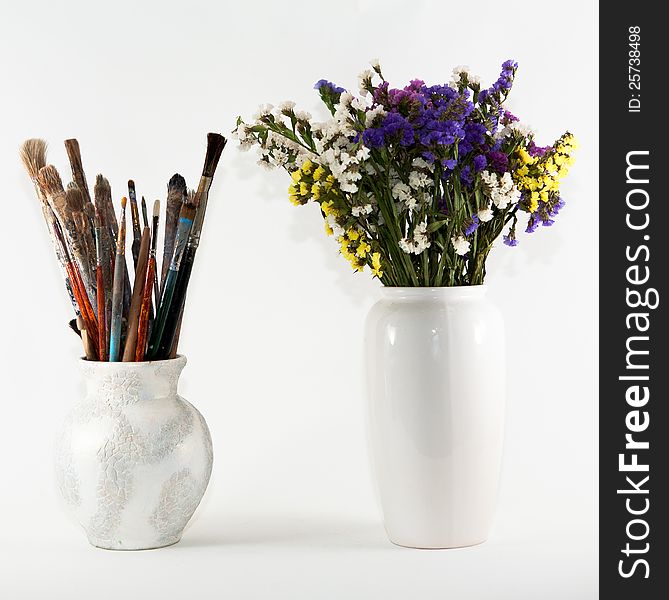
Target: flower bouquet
(416,183)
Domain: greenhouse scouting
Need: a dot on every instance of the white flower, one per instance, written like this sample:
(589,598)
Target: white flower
(515,128)
(420,241)
(421,163)
(302,115)
(403,193)
(460,244)
(337,229)
(286,106)
(366,209)
(459,72)
(266,164)
(375,64)
(372,114)
(502,190)
(364,79)
(263,111)
(418,180)
(485,214)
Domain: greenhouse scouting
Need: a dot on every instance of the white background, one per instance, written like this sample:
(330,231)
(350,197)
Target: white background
(274,322)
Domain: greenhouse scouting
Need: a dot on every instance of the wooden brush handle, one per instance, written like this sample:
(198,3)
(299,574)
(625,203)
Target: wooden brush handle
(117,310)
(144,313)
(137,296)
(87,315)
(102,328)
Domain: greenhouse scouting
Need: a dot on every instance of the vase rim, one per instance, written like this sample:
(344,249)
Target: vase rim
(455,291)
(178,361)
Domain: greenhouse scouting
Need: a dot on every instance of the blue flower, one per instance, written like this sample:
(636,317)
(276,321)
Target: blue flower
(480,163)
(471,225)
(331,87)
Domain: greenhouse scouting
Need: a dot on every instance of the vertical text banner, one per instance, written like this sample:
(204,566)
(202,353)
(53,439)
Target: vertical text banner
(634,268)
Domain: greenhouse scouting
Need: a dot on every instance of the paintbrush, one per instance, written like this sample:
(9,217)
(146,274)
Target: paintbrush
(145,216)
(109,230)
(154,236)
(136,230)
(87,315)
(102,306)
(73,326)
(103,198)
(117,291)
(74,200)
(49,180)
(146,299)
(177,333)
(186,216)
(74,156)
(176,196)
(89,347)
(215,144)
(137,295)
(33,156)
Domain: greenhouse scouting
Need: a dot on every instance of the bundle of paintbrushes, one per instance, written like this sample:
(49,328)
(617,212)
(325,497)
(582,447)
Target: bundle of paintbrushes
(117,321)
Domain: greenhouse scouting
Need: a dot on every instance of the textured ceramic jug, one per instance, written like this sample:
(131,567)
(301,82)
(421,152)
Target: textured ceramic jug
(436,384)
(134,458)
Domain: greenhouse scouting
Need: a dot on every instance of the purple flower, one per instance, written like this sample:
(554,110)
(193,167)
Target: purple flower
(532,224)
(323,85)
(498,161)
(449,163)
(471,225)
(480,163)
(510,240)
(395,129)
(534,150)
(466,176)
(503,84)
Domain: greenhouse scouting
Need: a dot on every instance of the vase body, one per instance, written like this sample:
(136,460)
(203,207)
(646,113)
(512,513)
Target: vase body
(435,363)
(133,458)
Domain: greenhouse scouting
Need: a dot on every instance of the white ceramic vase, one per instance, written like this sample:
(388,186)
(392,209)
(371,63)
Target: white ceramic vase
(134,458)
(435,362)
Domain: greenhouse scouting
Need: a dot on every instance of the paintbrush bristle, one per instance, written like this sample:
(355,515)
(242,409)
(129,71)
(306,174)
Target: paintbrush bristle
(73,197)
(177,182)
(50,181)
(156,208)
(101,185)
(191,196)
(215,144)
(33,156)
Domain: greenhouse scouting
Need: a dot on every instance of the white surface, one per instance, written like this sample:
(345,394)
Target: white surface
(273,330)
(436,425)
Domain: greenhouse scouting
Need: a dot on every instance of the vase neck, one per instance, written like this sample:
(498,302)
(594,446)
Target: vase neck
(126,383)
(445,294)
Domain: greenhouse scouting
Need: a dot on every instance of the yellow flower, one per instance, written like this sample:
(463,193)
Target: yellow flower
(318,173)
(296,176)
(524,156)
(316,191)
(304,188)
(307,166)
(292,190)
(376,264)
(295,199)
(352,234)
(328,229)
(363,249)
(534,201)
(328,209)
(329,181)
